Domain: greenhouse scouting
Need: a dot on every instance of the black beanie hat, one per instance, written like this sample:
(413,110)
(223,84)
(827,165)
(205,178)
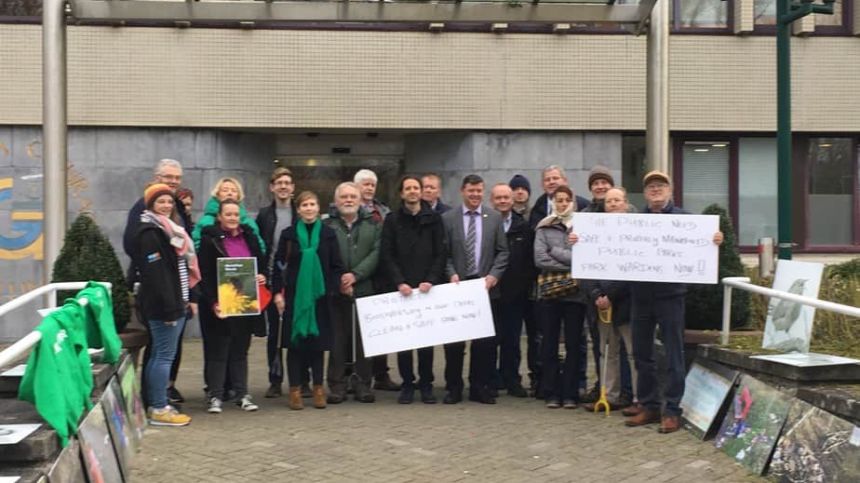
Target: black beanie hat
(520,181)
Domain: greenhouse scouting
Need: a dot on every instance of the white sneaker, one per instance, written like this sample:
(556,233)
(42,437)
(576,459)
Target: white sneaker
(246,404)
(214,405)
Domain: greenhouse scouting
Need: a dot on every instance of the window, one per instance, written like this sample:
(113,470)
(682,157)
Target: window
(705,177)
(741,175)
(837,22)
(757,190)
(701,14)
(633,168)
(764,12)
(831,167)
(21,8)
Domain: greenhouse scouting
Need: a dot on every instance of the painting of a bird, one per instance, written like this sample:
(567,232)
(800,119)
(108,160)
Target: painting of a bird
(786,313)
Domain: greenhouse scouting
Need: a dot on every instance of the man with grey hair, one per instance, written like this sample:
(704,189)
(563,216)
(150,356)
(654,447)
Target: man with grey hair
(169,172)
(358,238)
(367,181)
(552,177)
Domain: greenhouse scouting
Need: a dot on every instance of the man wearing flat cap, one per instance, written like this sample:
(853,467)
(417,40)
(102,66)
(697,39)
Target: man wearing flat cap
(659,303)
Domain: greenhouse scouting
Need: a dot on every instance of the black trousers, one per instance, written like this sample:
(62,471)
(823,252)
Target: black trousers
(341,353)
(227,354)
(298,360)
(532,322)
(425,368)
(555,315)
(481,361)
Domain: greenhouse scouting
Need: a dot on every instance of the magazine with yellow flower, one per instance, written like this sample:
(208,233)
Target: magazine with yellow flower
(237,286)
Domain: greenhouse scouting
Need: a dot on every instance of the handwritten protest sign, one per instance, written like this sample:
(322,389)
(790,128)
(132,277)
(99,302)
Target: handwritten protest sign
(645,247)
(451,312)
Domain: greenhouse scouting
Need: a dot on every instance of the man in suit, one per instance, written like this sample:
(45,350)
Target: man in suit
(552,177)
(477,248)
(430,191)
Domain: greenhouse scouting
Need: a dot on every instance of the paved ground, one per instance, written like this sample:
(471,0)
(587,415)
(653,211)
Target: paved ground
(515,440)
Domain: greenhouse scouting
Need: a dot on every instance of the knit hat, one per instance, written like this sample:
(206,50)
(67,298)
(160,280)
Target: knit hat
(153,191)
(600,172)
(520,181)
(656,175)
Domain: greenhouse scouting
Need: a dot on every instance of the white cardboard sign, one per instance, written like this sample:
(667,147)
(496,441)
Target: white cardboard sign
(447,313)
(645,247)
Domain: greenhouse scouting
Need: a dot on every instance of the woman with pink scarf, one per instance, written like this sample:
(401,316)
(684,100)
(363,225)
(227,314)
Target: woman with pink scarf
(169,271)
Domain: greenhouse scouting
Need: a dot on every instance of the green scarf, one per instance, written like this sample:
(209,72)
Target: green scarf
(310,284)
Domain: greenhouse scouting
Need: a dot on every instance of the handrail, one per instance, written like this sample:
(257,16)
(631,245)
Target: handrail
(24,344)
(743,283)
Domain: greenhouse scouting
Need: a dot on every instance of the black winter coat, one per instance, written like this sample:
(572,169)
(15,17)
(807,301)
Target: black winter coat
(285,275)
(212,248)
(413,247)
(267,220)
(619,296)
(521,271)
(160,293)
(645,292)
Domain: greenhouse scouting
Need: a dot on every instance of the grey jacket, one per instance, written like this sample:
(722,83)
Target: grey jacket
(494,244)
(552,253)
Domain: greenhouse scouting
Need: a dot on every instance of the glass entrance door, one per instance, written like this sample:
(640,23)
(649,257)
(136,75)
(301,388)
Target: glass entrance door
(322,174)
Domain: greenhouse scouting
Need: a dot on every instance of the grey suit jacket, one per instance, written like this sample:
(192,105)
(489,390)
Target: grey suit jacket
(494,244)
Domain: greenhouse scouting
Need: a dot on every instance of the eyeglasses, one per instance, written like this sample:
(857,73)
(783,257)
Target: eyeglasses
(170,177)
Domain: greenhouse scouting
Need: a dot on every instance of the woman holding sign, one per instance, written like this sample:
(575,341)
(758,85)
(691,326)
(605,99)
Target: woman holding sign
(228,337)
(308,268)
(559,302)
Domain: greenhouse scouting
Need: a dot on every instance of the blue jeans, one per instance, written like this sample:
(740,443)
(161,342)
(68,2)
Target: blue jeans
(669,315)
(164,337)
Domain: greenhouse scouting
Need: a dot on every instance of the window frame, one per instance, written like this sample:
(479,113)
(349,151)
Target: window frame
(846,29)
(800,183)
(676,28)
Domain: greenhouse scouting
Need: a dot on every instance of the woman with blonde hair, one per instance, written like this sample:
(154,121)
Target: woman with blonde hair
(226,188)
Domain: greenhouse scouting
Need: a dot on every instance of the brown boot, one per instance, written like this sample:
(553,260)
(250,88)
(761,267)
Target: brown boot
(632,410)
(295,401)
(319,397)
(647,416)
(669,424)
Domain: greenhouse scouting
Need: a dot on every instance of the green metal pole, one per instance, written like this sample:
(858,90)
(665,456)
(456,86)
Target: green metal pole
(783,127)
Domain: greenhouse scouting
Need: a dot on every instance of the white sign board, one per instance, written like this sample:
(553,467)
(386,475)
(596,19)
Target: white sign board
(447,313)
(645,247)
(808,359)
(788,326)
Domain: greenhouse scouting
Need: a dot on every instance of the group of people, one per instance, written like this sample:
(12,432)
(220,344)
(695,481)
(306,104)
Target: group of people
(316,262)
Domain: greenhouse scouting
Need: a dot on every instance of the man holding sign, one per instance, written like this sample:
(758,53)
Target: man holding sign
(660,303)
(477,248)
(413,257)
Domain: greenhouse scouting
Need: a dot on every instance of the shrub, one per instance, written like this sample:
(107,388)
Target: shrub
(88,255)
(705,302)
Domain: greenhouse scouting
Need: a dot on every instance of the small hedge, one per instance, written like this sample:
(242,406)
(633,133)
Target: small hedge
(705,302)
(88,255)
